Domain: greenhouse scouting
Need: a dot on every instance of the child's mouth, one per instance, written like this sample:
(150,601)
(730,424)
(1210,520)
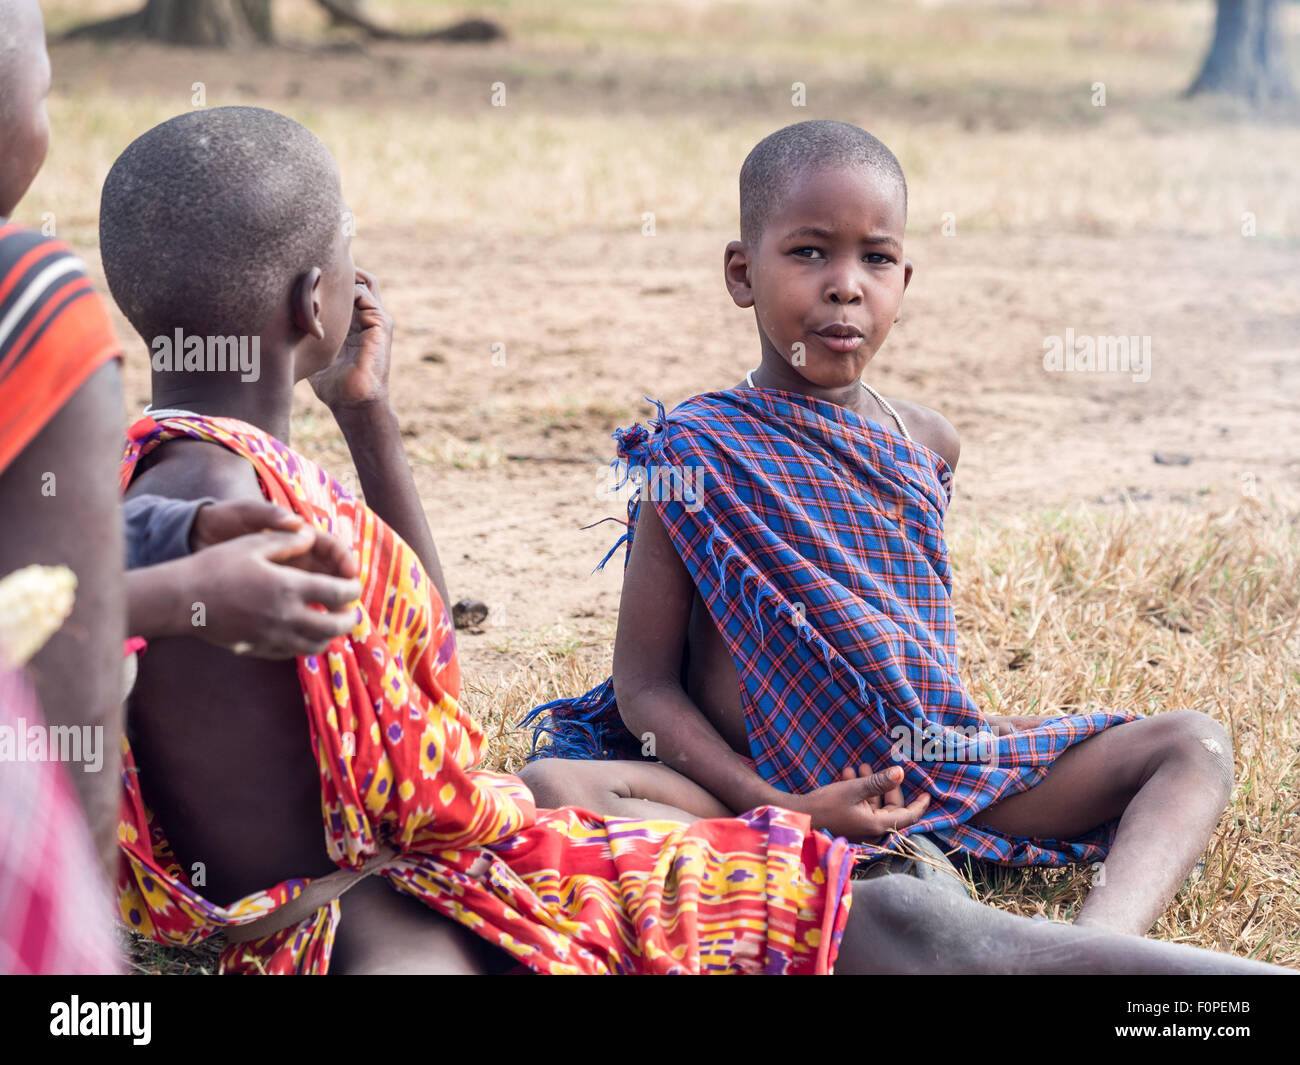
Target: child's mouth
(841,342)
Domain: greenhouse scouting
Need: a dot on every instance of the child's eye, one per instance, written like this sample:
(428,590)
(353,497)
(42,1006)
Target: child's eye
(807,253)
(875,258)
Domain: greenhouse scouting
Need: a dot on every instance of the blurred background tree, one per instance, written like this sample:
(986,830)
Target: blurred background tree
(1247,57)
(229,23)
(212,23)
(355,8)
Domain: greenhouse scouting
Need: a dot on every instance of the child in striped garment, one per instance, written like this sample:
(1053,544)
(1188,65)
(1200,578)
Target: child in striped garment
(786,628)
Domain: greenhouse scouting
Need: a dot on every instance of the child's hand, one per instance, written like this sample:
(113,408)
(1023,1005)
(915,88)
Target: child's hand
(215,523)
(862,806)
(256,601)
(359,376)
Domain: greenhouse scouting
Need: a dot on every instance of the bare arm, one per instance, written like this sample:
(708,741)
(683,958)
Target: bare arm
(355,388)
(256,589)
(933,430)
(373,437)
(255,599)
(652,622)
(59,498)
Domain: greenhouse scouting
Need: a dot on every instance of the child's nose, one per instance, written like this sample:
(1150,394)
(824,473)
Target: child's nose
(844,287)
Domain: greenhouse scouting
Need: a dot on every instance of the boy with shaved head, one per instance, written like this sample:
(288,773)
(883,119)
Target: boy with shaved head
(60,416)
(786,635)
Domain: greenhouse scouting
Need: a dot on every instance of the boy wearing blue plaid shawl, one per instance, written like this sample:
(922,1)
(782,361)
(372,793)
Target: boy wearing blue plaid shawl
(786,634)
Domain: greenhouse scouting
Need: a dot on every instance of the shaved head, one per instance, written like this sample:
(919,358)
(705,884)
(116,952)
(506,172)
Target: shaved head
(20,28)
(207,220)
(14,15)
(24,83)
(770,170)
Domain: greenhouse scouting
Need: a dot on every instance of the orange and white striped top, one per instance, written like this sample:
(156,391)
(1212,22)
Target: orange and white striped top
(54,334)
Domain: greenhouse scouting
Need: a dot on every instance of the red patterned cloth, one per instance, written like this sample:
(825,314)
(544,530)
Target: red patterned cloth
(54,333)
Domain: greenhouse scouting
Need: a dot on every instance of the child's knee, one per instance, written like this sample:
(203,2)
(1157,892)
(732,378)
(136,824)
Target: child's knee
(1196,739)
(552,783)
(557,782)
(904,914)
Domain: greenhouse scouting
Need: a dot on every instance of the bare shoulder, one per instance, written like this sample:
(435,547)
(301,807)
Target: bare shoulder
(192,469)
(932,429)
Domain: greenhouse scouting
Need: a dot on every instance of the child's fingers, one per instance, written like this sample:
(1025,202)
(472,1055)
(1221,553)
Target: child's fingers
(367,313)
(894,796)
(367,301)
(328,555)
(365,277)
(333,593)
(217,522)
(891,820)
(364,300)
(278,545)
(259,514)
(305,581)
(878,783)
(314,629)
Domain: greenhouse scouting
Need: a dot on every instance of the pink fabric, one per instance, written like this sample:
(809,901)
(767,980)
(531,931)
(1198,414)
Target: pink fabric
(56,915)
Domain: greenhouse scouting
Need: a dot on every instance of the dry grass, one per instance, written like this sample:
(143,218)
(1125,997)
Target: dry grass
(147,958)
(1152,611)
(564,172)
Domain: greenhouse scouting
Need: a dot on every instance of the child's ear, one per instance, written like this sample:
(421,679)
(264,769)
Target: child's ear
(735,272)
(907,280)
(306,303)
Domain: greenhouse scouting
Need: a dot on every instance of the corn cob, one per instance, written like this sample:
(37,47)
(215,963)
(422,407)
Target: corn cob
(34,602)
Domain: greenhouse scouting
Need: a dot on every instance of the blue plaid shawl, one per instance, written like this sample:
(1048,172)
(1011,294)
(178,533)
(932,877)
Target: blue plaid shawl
(816,541)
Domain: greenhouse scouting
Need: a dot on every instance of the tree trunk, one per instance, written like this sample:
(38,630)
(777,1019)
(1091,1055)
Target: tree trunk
(205,23)
(230,23)
(1247,58)
(471,30)
(349,7)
